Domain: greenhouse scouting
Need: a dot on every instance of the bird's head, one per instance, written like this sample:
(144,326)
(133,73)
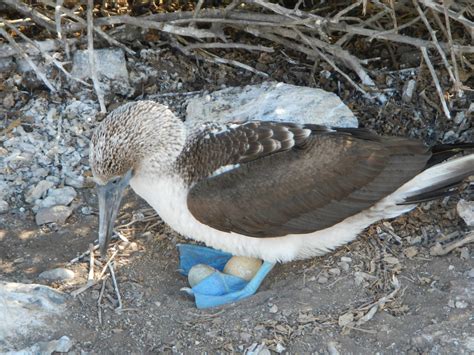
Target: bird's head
(135,139)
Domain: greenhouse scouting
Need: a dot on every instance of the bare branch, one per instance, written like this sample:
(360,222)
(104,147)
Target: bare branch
(25,56)
(424,52)
(90,50)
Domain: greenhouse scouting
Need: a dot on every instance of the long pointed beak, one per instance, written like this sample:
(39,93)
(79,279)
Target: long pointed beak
(110,196)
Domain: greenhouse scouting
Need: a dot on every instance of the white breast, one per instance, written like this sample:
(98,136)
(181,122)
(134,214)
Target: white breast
(168,196)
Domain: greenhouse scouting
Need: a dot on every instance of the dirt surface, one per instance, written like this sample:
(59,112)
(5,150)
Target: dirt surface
(383,293)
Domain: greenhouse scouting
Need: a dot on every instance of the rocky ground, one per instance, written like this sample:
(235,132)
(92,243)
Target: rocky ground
(389,292)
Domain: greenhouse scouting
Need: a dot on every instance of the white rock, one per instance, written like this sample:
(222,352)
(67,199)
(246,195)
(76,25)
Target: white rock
(25,307)
(4,207)
(55,214)
(38,191)
(58,274)
(271,101)
(466,211)
(243,267)
(61,196)
(198,273)
(109,62)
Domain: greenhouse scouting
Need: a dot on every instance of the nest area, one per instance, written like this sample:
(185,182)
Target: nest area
(341,34)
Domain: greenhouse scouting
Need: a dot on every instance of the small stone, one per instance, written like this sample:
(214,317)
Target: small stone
(38,191)
(408,90)
(465,253)
(4,207)
(133,246)
(461,304)
(273,309)
(245,337)
(391,260)
(59,274)
(345,319)
(322,279)
(451,304)
(346,259)
(344,266)
(86,210)
(471,273)
(451,267)
(410,252)
(56,214)
(465,210)
(334,271)
(279,348)
(9,101)
(61,196)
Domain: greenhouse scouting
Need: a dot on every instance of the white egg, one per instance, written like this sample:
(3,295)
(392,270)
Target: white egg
(243,267)
(198,273)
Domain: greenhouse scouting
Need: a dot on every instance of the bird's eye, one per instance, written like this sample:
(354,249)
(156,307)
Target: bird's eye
(115,180)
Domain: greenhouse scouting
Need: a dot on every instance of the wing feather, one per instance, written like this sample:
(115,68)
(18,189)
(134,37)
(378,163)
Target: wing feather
(295,179)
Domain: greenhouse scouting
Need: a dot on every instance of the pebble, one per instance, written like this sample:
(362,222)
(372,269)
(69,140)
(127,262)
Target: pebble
(408,90)
(344,266)
(465,210)
(322,279)
(465,253)
(56,214)
(61,196)
(273,309)
(334,271)
(4,207)
(471,273)
(58,274)
(9,101)
(461,304)
(38,191)
(346,259)
(410,252)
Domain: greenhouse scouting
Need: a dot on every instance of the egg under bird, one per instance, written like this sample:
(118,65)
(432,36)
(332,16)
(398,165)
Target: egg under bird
(269,190)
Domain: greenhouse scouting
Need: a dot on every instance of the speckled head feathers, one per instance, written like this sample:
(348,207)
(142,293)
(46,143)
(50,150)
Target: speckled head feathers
(132,133)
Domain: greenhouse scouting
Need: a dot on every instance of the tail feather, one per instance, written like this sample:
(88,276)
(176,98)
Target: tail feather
(438,180)
(442,152)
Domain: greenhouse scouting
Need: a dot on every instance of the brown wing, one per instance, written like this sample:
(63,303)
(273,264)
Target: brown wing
(314,184)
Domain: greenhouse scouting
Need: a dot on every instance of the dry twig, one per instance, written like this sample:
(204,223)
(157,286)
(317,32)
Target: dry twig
(90,50)
(424,52)
(25,56)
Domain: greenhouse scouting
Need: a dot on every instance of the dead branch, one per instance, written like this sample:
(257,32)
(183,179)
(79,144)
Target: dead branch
(424,52)
(90,51)
(25,56)
(26,10)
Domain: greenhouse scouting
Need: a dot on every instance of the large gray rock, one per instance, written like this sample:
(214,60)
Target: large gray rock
(110,63)
(24,307)
(271,101)
(62,345)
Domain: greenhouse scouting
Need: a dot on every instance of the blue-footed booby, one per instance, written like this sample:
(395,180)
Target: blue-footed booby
(270,190)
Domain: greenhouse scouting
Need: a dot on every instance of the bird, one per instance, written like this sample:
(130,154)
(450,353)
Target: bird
(270,190)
